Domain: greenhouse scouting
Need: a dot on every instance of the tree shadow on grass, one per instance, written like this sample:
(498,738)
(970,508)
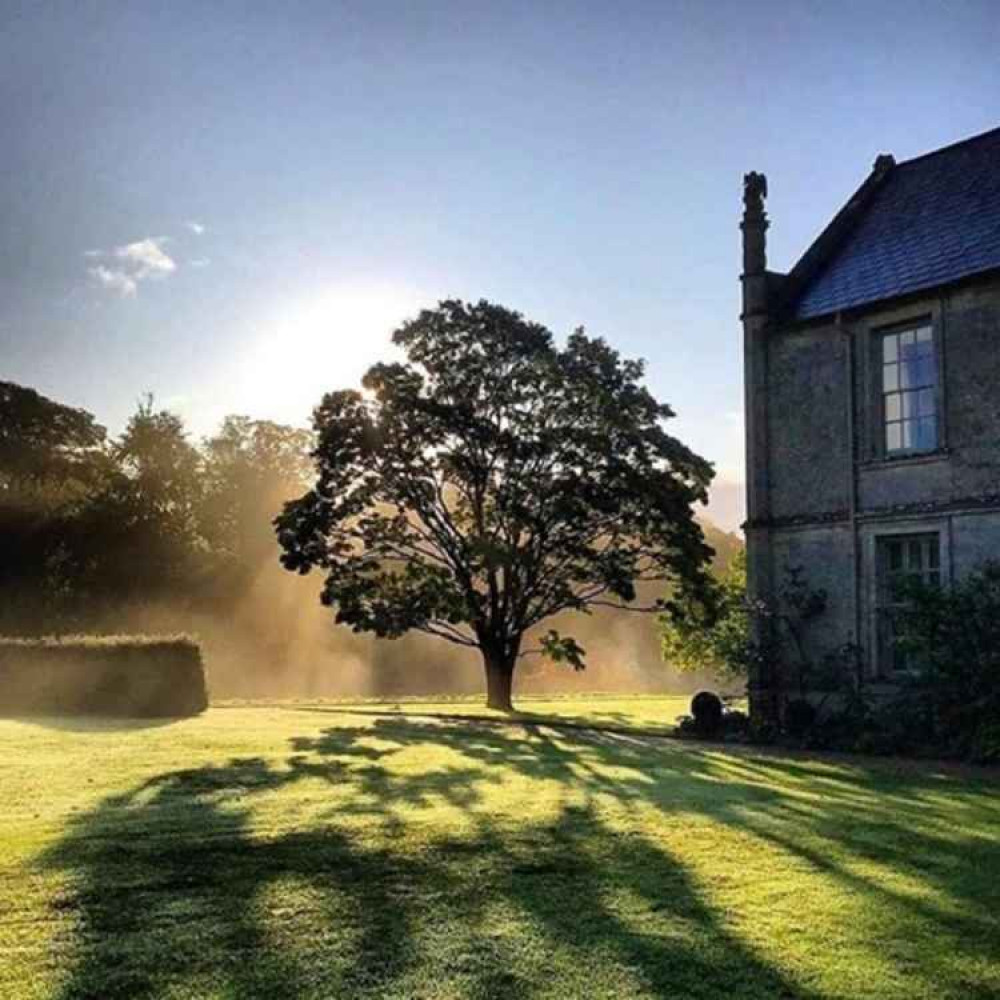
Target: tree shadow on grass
(167,882)
(922,869)
(174,887)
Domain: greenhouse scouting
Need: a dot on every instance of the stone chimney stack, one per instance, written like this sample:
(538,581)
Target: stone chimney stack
(755,349)
(754,226)
(755,381)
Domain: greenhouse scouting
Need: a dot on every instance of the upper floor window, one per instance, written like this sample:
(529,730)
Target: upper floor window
(909,390)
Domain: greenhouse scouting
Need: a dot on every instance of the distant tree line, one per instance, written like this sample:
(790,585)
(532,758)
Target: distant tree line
(90,521)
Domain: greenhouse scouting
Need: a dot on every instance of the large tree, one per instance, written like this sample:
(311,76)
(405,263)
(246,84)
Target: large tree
(491,481)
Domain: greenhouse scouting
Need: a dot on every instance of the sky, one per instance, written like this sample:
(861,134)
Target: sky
(231,205)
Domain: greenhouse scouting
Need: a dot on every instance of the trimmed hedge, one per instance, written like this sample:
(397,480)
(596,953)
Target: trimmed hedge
(102,675)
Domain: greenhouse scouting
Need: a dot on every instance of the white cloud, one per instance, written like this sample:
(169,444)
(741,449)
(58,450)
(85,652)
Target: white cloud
(116,281)
(131,264)
(200,262)
(196,227)
(146,258)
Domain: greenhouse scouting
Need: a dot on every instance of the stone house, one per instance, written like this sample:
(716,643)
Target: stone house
(872,393)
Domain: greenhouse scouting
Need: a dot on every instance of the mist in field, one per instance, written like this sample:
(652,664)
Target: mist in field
(278,641)
(151,533)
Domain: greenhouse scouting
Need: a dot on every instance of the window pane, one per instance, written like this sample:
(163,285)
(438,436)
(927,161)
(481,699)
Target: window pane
(925,433)
(890,348)
(908,434)
(895,552)
(925,403)
(926,371)
(909,372)
(893,436)
(924,335)
(906,342)
(902,558)
(890,378)
(893,406)
(909,405)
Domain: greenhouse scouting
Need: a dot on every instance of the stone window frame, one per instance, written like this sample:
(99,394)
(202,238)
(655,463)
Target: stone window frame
(927,544)
(917,402)
(873,534)
(891,322)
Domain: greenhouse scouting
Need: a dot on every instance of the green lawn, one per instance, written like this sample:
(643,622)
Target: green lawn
(647,713)
(325,851)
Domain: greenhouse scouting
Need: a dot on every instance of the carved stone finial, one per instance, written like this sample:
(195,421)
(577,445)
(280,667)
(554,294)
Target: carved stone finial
(754,192)
(884,162)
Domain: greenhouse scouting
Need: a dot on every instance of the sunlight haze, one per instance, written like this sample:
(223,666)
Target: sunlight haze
(190,195)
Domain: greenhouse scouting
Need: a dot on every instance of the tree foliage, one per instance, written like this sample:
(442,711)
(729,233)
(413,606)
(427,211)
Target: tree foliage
(714,634)
(953,636)
(723,630)
(48,451)
(249,469)
(491,481)
(88,522)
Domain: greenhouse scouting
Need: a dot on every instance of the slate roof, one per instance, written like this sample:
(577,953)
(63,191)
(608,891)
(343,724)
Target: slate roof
(927,222)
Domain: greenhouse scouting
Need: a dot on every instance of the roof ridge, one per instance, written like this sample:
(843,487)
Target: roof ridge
(855,261)
(826,244)
(967,141)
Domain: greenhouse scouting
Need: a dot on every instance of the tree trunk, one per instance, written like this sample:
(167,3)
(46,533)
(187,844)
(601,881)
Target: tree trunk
(499,681)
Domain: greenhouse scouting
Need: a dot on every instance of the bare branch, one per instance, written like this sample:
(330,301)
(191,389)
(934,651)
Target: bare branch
(644,609)
(444,631)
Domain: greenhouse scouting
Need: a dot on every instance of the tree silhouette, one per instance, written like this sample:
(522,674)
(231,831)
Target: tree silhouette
(46,447)
(89,524)
(491,481)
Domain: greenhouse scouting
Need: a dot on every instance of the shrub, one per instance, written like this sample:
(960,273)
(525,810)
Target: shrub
(710,630)
(985,747)
(800,716)
(735,722)
(762,731)
(685,726)
(102,675)
(953,635)
(706,708)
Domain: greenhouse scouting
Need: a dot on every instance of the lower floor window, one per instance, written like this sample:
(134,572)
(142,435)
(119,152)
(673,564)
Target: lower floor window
(902,559)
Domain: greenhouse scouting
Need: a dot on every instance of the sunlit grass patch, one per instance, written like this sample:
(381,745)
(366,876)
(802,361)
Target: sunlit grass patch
(286,852)
(640,711)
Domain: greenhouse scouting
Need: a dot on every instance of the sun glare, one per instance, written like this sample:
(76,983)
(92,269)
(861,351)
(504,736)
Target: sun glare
(322,343)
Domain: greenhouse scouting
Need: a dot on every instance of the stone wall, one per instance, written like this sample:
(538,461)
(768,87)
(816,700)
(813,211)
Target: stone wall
(807,417)
(832,492)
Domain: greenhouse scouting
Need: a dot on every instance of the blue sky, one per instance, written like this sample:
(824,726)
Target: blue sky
(230,205)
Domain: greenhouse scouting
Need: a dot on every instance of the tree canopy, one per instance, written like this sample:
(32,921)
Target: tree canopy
(89,524)
(45,446)
(712,635)
(490,481)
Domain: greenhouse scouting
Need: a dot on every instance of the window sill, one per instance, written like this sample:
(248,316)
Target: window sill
(907,458)
(882,686)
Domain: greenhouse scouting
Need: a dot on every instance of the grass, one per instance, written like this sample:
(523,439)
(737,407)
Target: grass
(655,714)
(324,851)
